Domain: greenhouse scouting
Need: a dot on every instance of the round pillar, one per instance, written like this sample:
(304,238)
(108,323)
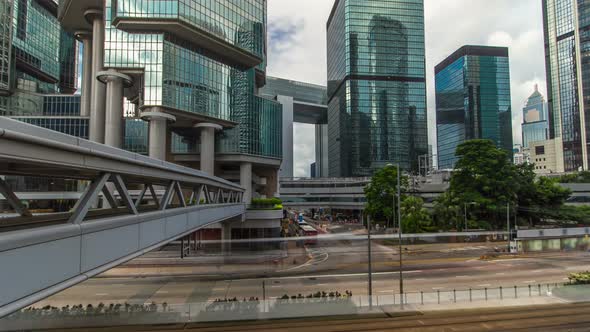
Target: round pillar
(85,97)
(246,181)
(114,117)
(97,103)
(157,132)
(208,146)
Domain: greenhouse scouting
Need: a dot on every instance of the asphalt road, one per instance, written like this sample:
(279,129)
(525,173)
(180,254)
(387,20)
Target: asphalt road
(336,268)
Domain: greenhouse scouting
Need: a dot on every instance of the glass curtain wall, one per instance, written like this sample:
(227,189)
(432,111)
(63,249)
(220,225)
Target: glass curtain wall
(376,85)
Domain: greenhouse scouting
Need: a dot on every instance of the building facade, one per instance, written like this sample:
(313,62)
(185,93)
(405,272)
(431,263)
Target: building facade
(302,103)
(376,86)
(38,67)
(472,100)
(535,126)
(547,156)
(179,81)
(566,26)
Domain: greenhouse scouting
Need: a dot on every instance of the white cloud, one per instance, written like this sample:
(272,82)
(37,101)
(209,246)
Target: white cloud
(450,24)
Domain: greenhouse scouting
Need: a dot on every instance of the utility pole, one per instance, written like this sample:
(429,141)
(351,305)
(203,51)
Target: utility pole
(370,263)
(508,223)
(399,231)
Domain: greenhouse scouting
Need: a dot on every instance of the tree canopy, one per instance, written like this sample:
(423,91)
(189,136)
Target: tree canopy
(382,192)
(486,179)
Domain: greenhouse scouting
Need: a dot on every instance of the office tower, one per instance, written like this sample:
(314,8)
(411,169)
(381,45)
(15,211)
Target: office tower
(191,71)
(535,126)
(376,86)
(38,62)
(566,24)
(473,100)
(302,103)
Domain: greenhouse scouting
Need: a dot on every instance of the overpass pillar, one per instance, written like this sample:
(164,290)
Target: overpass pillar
(86,38)
(208,146)
(114,121)
(226,238)
(98,89)
(246,181)
(158,132)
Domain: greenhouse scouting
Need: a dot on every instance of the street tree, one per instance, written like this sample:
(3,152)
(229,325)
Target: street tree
(381,194)
(415,217)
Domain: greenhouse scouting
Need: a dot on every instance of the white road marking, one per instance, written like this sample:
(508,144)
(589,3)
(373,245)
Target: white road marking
(386,291)
(500,273)
(461,276)
(101,294)
(484,285)
(162,292)
(529,282)
(438,288)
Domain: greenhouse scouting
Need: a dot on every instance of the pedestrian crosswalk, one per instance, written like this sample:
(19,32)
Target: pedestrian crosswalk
(471,248)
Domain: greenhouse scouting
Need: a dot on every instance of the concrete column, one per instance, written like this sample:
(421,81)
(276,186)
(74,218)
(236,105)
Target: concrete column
(272,184)
(208,146)
(158,132)
(246,181)
(86,38)
(97,103)
(114,121)
(226,238)
(287,164)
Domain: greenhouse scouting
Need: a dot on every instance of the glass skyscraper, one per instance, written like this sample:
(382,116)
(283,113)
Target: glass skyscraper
(376,85)
(472,100)
(535,126)
(567,39)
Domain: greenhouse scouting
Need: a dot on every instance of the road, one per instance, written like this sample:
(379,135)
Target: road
(335,269)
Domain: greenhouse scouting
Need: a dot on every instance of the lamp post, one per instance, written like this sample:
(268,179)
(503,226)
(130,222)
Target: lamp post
(399,231)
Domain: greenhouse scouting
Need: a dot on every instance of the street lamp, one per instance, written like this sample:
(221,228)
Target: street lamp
(465,205)
(399,230)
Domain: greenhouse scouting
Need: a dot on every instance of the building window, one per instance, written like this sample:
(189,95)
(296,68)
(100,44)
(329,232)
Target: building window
(540,150)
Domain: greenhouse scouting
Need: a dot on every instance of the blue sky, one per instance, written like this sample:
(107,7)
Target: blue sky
(297,48)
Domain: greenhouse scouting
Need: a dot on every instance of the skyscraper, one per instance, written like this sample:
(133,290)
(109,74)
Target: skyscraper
(566,24)
(38,67)
(535,126)
(376,85)
(472,100)
(191,70)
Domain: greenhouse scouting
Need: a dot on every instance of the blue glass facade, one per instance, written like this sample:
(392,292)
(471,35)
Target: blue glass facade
(567,41)
(472,100)
(535,127)
(182,76)
(376,85)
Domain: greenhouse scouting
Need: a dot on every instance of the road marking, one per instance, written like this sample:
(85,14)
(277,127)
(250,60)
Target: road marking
(101,294)
(529,282)
(484,285)
(461,276)
(417,271)
(219,289)
(500,273)
(438,288)
(538,271)
(276,286)
(419,279)
(162,292)
(386,291)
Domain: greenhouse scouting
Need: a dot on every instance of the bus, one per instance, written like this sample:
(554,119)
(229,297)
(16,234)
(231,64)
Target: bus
(308,231)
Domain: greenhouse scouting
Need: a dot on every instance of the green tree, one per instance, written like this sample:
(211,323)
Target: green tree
(415,218)
(580,177)
(447,212)
(382,192)
(485,176)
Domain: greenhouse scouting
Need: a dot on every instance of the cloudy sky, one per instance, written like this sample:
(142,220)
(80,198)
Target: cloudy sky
(297,49)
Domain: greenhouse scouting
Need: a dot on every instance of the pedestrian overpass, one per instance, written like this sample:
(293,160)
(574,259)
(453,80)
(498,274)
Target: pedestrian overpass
(42,254)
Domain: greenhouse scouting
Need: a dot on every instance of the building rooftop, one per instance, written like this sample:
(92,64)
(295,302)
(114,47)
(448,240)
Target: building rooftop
(474,50)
